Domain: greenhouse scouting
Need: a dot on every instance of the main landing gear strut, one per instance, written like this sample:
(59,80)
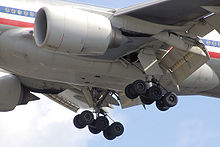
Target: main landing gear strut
(98,121)
(150,92)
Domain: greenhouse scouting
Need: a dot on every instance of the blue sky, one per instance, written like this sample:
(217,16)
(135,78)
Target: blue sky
(193,122)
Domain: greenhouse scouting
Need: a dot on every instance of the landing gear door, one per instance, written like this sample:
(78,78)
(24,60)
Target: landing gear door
(149,62)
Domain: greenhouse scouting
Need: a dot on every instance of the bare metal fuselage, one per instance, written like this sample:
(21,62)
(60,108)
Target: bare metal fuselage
(20,56)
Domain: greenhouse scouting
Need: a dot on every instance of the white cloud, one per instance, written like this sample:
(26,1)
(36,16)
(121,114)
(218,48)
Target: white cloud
(41,124)
(44,123)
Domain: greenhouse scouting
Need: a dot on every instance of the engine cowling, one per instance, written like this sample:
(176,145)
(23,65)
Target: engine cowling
(74,31)
(12,93)
(201,80)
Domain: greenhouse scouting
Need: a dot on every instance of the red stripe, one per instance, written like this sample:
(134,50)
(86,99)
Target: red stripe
(214,55)
(16,23)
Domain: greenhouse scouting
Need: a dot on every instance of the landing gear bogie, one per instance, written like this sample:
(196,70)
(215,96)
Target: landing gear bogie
(101,123)
(150,92)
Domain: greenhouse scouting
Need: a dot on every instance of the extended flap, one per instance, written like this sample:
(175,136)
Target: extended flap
(181,64)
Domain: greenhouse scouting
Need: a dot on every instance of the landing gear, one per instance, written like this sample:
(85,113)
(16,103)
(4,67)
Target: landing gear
(146,100)
(101,123)
(116,129)
(135,89)
(139,87)
(150,92)
(170,99)
(83,119)
(161,106)
(77,121)
(108,134)
(93,129)
(130,93)
(87,117)
(154,93)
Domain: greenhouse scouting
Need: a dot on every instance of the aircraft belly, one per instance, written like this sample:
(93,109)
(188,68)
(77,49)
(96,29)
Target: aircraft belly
(19,55)
(5,28)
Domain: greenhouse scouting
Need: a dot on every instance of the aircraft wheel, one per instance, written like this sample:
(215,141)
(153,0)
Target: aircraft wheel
(108,135)
(77,121)
(93,129)
(117,129)
(146,100)
(170,99)
(139,87)
(161,106)
(154,93)
(129,92)
(101,123)
(87,117)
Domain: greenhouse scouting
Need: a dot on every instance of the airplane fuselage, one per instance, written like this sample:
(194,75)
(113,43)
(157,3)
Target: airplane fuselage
(20,55)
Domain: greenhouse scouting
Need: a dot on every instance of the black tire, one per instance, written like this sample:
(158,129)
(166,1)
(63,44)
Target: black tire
(170,99)
(87,117)
(108,135)
(117,129)
(130,93)
(154,93)
(146,100)
(77,121)
(160,105)
(101,123)
(93,129)
(139,87)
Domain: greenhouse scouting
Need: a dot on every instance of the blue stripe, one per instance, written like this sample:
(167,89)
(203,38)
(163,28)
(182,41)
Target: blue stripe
(211,43)
(19,12)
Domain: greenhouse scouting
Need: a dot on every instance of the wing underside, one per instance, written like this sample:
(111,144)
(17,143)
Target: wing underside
(199,17)
(169,12)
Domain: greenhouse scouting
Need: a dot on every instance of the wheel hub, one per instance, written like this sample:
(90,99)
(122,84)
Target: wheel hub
(140,86)
(87,117)
(171,99)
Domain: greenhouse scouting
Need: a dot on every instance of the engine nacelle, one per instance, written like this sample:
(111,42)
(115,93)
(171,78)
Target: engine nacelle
(12,93)
(201,80)
(74,31)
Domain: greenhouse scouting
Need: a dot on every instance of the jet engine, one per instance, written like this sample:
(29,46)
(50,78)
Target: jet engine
(201,80)
(12,93)
(74,31)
